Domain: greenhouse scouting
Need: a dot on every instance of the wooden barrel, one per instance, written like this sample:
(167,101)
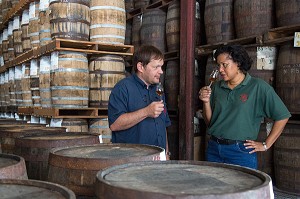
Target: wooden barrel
(140,3)
(33,28)
(1,40)
(101,128)
(287,76)
(34,83)
(6,7)
(44,82)
(264,60)
(12,167)
(2,99)
(218,20)
(173,26)
(5,44)
(181,179)
(108,21)
(69,79)
(12,87)
(105,71)
(252,18)
(17,35)
(172,84)
(18,85)
(44,22)
(9,135)
(70,19)
(136,27)
(35,149)
(1,94)
(153,30)
(75,125)
(128,33)
(11,51)
(26,43)
(25,84)
(1,16)
(81,163)
(4,121)
(6,89)
(200,37)
(129,5)
(287,158)
(34,189)
(287,12)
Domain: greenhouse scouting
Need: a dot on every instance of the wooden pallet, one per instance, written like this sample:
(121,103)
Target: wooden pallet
(70,112)
(207,49)
(86,47)
(274,36)
(69,45)
(25,110)
(280,35)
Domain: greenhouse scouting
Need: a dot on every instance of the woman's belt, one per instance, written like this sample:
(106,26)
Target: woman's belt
(223,140)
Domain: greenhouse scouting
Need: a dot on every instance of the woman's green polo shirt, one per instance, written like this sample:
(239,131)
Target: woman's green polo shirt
(237,113)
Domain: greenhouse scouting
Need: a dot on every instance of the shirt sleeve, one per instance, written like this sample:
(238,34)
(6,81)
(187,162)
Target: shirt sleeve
(117,103)
(274,106)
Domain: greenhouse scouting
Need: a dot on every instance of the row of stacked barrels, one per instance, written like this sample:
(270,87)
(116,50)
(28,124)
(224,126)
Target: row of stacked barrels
(63,80)
(58,164)
(145,31)
(92,20)
(48,163)
(78,20)
(161,27)
(277,65)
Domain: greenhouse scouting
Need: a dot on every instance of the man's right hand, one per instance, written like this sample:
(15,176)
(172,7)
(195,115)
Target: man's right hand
(155,108)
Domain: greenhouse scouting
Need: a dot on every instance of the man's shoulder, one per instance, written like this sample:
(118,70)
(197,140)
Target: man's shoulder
(127,82)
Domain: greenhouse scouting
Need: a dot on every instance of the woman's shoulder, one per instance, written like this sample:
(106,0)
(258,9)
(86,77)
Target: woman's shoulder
(260,81)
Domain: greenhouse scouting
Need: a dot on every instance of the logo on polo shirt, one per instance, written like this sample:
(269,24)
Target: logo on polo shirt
(243,97)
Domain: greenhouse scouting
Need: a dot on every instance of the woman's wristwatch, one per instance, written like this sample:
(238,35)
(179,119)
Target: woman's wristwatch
(265,146)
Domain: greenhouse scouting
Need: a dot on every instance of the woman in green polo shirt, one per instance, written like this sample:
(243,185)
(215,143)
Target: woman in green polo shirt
(234,107)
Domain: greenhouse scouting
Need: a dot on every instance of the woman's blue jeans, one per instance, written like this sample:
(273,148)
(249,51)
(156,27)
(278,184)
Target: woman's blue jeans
(231,154)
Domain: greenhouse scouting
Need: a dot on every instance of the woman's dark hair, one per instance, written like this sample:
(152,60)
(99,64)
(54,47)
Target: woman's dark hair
(238,54)
(145,54)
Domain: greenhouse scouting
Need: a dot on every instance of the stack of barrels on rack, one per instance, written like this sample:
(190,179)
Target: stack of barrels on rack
(278,65)
(67,79)
(58,164)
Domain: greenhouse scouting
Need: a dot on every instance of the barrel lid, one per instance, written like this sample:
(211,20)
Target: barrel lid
(182,179)
(108,151)
(28,189)
(8,160)
(102,155)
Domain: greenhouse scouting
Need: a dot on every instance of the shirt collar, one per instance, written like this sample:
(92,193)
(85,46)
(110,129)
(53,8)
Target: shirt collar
(140,82)
(244,82)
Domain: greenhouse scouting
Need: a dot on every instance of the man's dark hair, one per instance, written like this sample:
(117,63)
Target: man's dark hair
(145,54)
